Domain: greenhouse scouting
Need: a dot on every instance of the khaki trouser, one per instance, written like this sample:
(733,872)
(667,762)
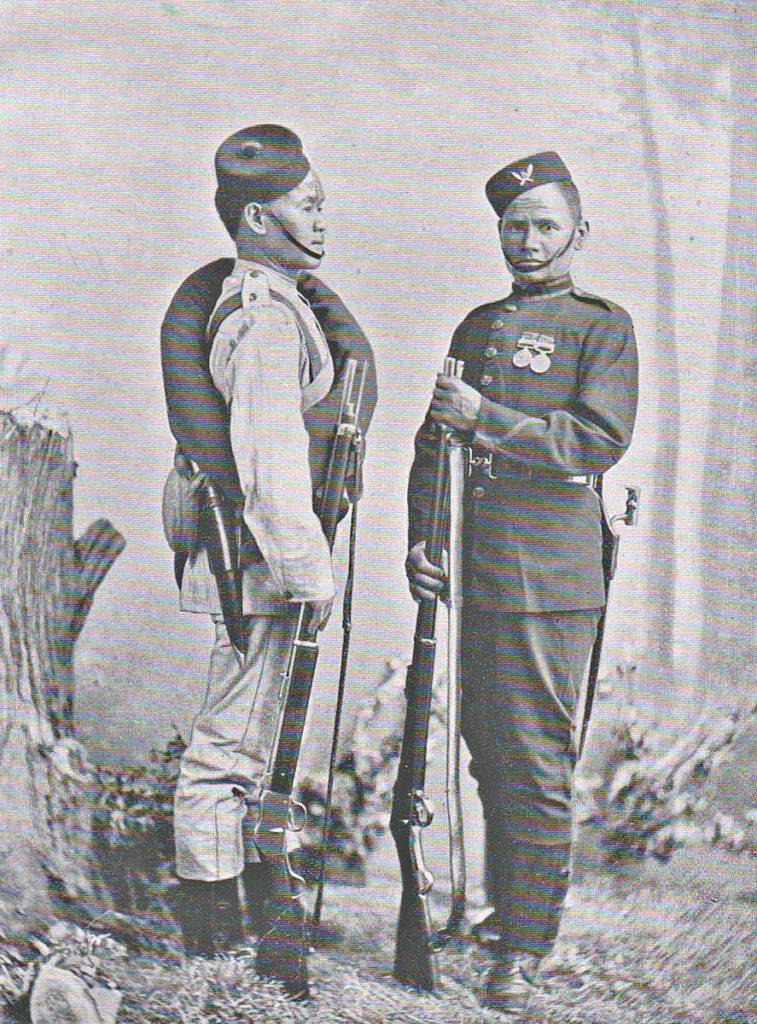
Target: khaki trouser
(229,748)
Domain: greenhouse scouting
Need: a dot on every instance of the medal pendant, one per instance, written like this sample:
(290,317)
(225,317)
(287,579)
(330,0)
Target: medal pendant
(522,357)
(541,362)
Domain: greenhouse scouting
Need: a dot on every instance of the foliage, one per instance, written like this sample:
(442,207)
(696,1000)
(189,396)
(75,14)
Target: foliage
(133,827)
(655,804)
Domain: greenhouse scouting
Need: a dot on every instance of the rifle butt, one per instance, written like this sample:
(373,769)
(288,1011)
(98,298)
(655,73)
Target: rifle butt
(283,947)
(415,960)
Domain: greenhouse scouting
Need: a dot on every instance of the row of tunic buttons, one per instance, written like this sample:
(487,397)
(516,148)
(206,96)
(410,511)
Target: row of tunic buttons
(491,352)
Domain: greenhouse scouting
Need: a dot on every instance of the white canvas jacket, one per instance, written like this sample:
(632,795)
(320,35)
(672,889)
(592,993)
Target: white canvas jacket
(270,361)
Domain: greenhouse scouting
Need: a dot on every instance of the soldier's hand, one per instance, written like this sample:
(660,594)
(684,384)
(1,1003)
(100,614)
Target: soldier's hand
(455,404)
(320,612)
(186,471)
(426,580)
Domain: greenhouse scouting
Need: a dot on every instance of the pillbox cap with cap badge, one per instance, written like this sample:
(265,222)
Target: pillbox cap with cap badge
(523,175)
(257,165)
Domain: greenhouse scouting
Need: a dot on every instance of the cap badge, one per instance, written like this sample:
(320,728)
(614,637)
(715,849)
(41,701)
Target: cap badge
(534,350)
(525,177)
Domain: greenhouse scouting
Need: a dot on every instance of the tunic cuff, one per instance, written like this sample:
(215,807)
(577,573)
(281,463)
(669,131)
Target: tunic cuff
(494,423)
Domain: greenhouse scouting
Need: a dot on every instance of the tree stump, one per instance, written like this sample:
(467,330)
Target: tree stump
(47,583)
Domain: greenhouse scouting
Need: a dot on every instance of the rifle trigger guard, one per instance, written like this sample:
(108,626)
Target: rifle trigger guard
(423,810)
(297,816)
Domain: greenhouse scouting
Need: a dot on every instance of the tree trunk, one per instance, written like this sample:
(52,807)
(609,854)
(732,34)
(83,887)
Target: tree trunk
(47,582)
(729,494)
(662,554)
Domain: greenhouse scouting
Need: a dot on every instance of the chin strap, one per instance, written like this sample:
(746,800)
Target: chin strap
(537,266)
(296,242)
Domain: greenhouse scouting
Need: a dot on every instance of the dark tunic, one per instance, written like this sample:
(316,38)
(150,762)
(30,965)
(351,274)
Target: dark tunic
(532,555)
(532,536)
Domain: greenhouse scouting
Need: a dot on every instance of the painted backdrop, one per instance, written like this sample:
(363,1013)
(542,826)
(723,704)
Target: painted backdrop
(112,112)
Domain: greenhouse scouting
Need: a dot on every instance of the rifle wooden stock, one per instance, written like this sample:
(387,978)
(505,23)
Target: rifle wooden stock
(283,947)
(414,962)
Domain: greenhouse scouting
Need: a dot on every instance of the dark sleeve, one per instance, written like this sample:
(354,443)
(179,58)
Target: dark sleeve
(197,413)
(346,341)
(592,433)
(420,483)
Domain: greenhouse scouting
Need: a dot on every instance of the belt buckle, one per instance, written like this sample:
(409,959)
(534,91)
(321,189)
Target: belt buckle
(484,463)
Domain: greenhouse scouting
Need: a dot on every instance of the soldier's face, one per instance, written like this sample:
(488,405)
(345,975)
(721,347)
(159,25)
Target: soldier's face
(540,235)
(297,230)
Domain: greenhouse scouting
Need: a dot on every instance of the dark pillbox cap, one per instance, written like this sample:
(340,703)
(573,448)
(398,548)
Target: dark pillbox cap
(258,164)
(523,175)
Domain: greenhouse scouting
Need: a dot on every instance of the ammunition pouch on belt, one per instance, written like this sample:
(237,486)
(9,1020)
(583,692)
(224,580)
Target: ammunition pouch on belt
(197,515)
(181,514)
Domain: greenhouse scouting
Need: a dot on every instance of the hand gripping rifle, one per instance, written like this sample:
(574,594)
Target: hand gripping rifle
(283,946)
(412,811)
(610,544)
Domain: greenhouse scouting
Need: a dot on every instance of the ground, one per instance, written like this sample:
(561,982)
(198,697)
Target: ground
(650,944)
(643,942)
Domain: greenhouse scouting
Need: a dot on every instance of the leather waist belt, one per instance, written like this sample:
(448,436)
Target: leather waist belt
(493,466)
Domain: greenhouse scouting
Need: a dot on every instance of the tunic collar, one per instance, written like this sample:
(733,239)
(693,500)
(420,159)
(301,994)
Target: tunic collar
(278,280)
(540,289)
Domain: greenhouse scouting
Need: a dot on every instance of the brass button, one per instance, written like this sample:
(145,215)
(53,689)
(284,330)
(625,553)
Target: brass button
(486,379)
(478,492)
(491,352)
(497,325)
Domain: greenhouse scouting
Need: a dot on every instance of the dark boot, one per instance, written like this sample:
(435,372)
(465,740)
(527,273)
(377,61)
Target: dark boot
(533,882)
(210,916)
(256,889)
(511,983)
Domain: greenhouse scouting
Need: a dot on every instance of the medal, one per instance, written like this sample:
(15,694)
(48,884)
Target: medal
(541,362)
(534,350)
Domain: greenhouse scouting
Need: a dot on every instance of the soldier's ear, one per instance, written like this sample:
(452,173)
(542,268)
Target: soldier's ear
(581,234)
(253,215)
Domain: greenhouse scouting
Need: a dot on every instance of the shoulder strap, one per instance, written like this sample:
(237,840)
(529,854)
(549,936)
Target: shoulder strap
(314,353)
(224,311)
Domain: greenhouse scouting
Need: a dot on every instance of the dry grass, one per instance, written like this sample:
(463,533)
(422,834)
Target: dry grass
(656,944)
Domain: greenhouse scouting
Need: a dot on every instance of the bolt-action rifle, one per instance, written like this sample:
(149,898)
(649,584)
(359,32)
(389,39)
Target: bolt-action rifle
(283,946)
(412,811)
(610,544)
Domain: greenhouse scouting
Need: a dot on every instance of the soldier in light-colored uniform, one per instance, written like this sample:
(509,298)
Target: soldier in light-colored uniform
(270,361)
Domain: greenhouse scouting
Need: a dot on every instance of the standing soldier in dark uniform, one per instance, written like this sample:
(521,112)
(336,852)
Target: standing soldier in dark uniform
(547,399)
